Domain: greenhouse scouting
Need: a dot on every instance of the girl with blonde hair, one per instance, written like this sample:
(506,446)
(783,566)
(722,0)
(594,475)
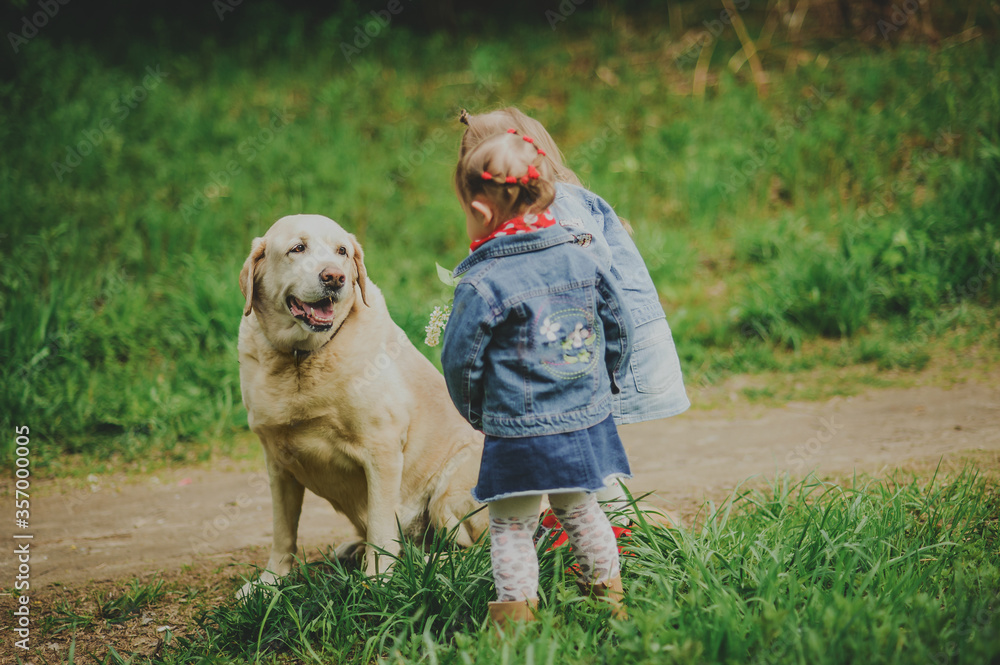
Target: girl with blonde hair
(652,385)
(535,346)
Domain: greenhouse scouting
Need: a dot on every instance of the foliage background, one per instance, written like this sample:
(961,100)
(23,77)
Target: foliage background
(846,212)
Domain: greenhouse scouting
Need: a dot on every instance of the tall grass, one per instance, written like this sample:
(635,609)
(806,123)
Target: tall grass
(863,189)
(900,571)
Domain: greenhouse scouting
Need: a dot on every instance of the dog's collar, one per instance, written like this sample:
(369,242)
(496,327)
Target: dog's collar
(302,354)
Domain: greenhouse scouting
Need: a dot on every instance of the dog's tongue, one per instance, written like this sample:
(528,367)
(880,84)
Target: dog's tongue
(316,313)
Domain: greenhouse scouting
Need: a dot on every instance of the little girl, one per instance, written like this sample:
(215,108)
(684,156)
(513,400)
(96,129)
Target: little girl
(652,386)
(534,348)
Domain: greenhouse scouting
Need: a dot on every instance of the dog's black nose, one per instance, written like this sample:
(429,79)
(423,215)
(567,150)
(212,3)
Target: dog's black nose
(332,277)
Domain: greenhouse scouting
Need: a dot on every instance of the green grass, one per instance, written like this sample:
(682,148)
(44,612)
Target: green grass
(108,607)
(862,194)
(117,608)
(897,571)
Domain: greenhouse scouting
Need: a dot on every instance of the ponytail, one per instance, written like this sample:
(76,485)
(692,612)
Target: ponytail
(481,126)
(509,170)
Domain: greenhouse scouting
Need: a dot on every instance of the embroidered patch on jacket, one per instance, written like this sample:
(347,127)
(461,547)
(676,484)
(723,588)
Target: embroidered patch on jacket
(567,340)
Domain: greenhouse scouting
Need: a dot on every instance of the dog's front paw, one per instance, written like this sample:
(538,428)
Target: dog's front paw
(378,561)
(372,564)
(265,582)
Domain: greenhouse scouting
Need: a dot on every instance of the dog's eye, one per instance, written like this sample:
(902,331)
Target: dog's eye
(342,251)
(297,249)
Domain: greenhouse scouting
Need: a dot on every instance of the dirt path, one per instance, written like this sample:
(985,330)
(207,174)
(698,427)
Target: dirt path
(197,516)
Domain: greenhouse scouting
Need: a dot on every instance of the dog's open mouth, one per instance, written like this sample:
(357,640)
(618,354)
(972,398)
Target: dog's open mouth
(317,315)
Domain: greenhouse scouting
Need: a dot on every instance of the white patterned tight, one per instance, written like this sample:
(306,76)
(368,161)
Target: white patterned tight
(512,525)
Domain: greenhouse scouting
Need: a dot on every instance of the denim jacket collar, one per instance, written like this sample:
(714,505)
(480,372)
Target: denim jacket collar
(516,244)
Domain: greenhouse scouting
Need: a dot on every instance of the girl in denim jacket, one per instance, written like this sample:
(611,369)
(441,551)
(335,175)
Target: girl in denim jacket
(534,348)
(652,385)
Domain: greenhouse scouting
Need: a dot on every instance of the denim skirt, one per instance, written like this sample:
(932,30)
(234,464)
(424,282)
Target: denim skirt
(582,461)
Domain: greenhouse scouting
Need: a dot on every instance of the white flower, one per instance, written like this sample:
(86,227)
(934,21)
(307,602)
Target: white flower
(438,320)
(550,329)
(578,335)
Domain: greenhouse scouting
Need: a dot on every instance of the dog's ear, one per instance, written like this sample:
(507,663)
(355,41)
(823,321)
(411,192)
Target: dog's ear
(359,264)
(248,273)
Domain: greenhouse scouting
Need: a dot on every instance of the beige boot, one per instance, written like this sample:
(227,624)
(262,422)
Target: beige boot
(513,611)
(610,592)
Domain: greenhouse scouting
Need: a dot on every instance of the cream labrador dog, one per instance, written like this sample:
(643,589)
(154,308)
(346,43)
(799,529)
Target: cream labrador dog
(342,402)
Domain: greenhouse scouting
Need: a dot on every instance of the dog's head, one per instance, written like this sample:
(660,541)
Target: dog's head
(302,279)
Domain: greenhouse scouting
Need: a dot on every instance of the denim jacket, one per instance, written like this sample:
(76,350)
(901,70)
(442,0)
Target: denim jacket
(537,336)
(652,385)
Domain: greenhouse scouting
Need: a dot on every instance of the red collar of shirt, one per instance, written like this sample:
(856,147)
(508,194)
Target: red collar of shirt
(522,224)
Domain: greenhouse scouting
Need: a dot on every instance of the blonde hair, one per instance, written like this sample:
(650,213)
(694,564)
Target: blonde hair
(510,172)
(482,126)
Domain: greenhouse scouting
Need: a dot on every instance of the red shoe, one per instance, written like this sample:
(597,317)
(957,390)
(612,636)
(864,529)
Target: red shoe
(549,524)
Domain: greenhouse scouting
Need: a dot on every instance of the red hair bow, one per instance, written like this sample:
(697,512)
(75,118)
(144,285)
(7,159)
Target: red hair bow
(532,174)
